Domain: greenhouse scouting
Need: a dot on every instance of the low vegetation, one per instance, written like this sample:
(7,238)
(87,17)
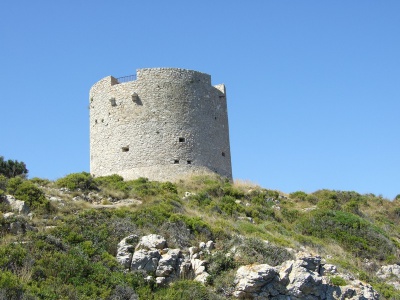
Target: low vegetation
(69,252)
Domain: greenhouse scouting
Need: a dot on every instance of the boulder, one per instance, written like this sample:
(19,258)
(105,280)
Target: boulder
(391,274)
(168,263)
(252,279)
(145,260)
(151,241)
(296,279)
(17,205)
(125,250)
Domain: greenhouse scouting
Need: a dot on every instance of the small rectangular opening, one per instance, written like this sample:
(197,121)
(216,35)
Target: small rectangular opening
(125,149)
(181,140)
(223,154)
(113,102)
(176,161)
(189,162)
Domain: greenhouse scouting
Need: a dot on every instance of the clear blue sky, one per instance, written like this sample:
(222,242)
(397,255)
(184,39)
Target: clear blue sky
(313,86)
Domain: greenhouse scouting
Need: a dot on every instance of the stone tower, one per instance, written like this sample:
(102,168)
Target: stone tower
(162,124)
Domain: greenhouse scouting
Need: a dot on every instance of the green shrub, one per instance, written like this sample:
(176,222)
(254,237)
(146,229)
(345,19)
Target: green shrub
(386,290)
(298,195)
(13,184)
(115,182)
(3,182)
(290,215)
(229,206)
(40,181)
(195,224)
(10,286)
(12,168)
(83,181)
(143,188)
(353,233)
(254,250)
(337,280)
(169,187)
(331,204)
(182,290)
(219,262)
(32,195)
(12,257)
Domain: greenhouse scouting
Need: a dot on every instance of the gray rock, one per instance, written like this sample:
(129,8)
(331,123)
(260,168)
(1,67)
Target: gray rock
(202,277)
(145,260)
(296,280)
(17,205)
(151,241)
(210,245)
(160,280)
(391,274)
(8,215)
(251,279)
(17,228)
(327,269)
(168,263)
(125,250)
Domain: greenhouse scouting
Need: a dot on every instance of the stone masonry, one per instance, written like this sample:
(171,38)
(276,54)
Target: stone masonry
(163,125)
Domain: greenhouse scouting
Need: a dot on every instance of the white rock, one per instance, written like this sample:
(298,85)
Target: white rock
(8,215)
(210,245)
(250,279)
(202,277)
(125,250)
(151,241)
(17,205)
(145,260)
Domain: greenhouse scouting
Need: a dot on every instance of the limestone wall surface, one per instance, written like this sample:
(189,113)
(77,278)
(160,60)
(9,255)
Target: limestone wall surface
(165,124)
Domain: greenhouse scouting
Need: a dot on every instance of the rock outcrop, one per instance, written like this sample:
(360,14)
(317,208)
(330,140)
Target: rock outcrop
(391,274)
(152,255)
(303,278)
(16,205)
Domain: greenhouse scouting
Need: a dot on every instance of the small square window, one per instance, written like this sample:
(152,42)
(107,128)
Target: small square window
(223,154)
(181,140)
(125,149)
(113,102)
(176,161)
(189,162)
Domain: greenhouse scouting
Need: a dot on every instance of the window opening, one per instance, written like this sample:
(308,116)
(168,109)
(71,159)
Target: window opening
(176,161)
(125,149)
(113,102)
(181,139)
(223,154)
(189,162)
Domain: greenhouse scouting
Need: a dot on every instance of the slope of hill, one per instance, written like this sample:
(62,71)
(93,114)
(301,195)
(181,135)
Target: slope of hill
(61,243)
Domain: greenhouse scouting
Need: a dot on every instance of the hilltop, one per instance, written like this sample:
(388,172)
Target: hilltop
(62,241)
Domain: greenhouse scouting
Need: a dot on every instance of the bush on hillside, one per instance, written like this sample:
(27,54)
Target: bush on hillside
(32,195)
(12,168)
(83,181)
(353,233)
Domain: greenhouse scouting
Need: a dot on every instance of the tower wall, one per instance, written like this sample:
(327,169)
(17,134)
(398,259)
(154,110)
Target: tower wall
(165,124)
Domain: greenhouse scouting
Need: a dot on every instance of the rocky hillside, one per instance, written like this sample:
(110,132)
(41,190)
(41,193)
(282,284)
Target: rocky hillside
(200,238)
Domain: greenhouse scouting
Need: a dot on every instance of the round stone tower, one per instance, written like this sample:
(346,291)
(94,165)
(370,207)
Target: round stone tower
(162,124)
